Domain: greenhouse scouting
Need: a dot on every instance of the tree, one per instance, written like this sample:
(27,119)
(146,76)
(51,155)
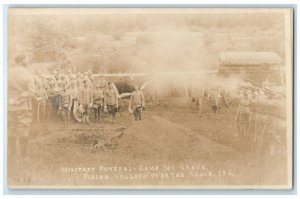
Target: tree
(49,40)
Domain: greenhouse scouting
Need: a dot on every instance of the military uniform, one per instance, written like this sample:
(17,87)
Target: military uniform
(243,116)
(20,92)
(111,102)
(79,83)
(214,95)
(41,96)
(98,100)
(74,94)
(85,99)
(197,93)
(52,95)
(137,103)
(65,104)
(102,84)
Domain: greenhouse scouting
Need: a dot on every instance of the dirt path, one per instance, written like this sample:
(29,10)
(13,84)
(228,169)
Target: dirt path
(161,138)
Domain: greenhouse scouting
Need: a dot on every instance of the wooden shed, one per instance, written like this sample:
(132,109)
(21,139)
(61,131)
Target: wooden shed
(254,65)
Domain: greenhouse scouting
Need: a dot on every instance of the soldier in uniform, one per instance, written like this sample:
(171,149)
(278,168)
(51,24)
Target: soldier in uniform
(65,103)
(56,76)
(41,97)
(74,94)
(111,102)
(98,100)
(197,93)
(88,80)
(137,103)
(243,114)
(91,79)
(102,83)
(64,80)
(79,83)
(59,93)
(52,94)
(214,95)
(85,100)
(20,93)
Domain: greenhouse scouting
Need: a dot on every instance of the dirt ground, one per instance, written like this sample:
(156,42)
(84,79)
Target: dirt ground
(171,146)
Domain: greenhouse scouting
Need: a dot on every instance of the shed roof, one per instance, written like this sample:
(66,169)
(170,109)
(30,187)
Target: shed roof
(249,58)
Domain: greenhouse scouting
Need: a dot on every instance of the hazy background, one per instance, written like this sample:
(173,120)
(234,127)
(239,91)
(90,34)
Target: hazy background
(137,42)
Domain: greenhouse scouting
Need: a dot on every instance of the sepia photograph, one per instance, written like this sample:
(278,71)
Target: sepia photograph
(150,98)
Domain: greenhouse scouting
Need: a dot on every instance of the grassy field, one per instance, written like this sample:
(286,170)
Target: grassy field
(172,145)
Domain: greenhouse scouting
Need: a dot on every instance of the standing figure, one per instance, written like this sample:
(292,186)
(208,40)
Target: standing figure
(197,93)
(79,83)
(137,103)
(41,97)
(51,93)
(214,95)
(64,80)
(104,85)
(243,115)
(256,120)
(102,82)
(111,102)
(65,103)
(20,93)
(85,100)
(74,96)
(56,77)
(91,79)
(86,77)
(98,100)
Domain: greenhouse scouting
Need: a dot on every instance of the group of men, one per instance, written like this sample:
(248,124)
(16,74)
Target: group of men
(70,95)
(55,96)
(260,120)
(62,94)
(59,95)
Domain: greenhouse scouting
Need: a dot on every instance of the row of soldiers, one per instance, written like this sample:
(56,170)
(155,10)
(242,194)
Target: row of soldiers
(61,95)
(261,121)
(260,117)
(43,97)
